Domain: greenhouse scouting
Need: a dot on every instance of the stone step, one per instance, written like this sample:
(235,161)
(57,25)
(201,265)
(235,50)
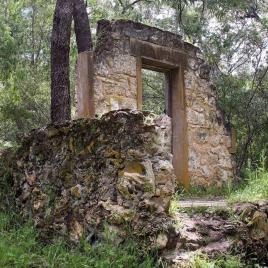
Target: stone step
(202,203)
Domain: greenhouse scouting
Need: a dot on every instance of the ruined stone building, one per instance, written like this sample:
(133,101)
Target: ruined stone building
(110,78)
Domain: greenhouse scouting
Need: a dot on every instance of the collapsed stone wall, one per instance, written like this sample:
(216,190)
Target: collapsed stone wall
(115,87)
(72,178)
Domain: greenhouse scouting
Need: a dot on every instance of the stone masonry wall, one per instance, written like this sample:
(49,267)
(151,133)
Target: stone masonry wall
(73,178)
(116,77)
(210,161)
(115,84)
(115,87)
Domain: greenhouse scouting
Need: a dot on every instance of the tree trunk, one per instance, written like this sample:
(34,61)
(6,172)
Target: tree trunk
(60,50)
(33,17)
(81,25)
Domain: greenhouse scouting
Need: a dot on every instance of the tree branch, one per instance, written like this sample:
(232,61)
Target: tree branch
(132,4)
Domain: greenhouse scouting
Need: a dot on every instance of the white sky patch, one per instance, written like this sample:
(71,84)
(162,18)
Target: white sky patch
(164,13)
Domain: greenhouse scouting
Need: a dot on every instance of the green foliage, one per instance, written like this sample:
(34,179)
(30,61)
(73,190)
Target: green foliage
(245,105)
(24,68)
(153,91)
(255,186)
(174,204)
(201,261)
(20,247)
(206,191)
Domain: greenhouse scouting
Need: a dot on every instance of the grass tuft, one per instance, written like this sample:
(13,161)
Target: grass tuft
(20,247)
(202,261)
(254,188)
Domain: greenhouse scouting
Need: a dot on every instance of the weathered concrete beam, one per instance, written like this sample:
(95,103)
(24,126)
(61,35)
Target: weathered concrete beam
(84,85)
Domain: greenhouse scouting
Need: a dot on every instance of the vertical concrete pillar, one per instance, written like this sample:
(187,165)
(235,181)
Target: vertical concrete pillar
(84,85)
(179,127)
(139,82)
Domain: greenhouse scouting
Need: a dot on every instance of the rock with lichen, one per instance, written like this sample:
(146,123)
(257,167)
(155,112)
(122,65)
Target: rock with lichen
(72,178)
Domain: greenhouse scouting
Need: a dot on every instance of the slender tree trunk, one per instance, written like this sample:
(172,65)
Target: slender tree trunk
(82,27)
(5,10)
(60,50)
(33,6)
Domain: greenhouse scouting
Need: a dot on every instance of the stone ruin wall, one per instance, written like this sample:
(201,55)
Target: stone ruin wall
(209,139)
(115,83)
(115,87)
(72,178)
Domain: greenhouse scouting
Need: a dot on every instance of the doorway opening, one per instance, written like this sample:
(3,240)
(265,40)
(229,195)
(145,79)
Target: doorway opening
(160,89)
(154,91)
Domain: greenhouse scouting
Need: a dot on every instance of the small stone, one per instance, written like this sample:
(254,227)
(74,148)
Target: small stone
(19,164)
(51,132)
(161,241)
(37,205)
(76,231)
(31,178)
(76,191)
(192,246)
(259,224)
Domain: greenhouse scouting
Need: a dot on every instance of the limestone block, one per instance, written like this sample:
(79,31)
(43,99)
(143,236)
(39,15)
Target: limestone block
(196,118)
(118,102)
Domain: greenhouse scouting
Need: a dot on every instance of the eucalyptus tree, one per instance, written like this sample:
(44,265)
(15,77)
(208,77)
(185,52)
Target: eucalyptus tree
(24,66)
(60,52)
(65,10)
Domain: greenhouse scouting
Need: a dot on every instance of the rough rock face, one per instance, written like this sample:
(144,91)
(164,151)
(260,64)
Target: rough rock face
(72,178)
(240,230)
